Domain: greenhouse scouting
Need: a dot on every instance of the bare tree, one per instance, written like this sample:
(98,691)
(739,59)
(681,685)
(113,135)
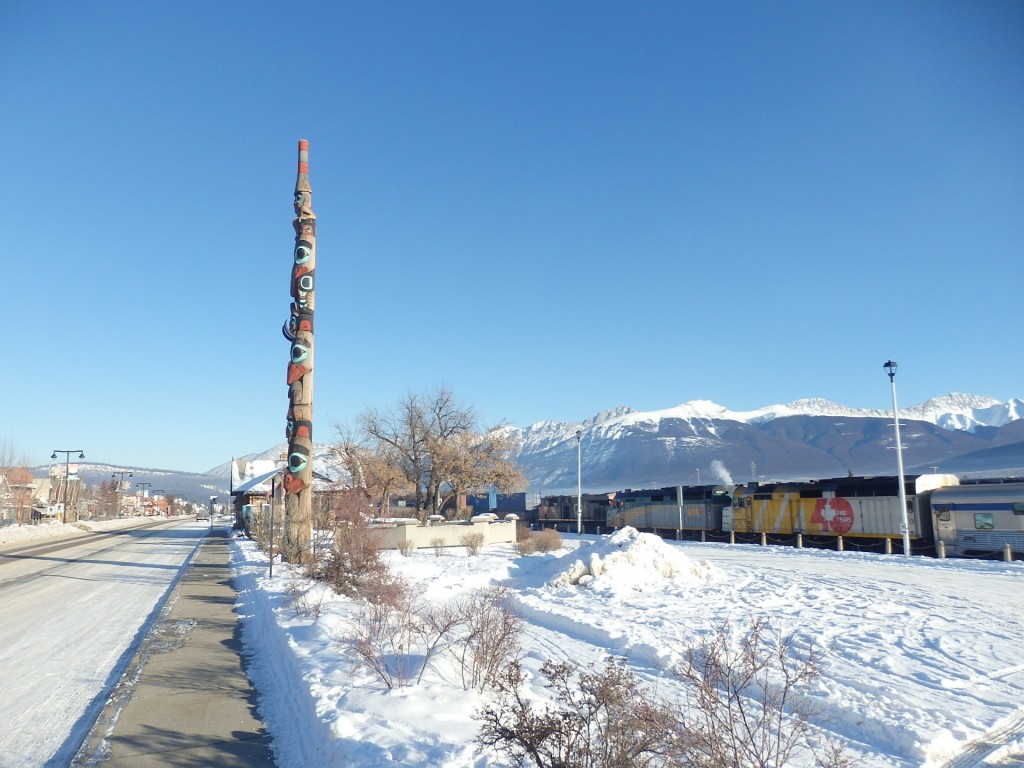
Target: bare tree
(19,480)
(402,433)
(448,421)
(11,455)
(374,468)
(472,460)
(432,444)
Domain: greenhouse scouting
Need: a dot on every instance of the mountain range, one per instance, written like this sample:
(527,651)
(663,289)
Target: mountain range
(701,442)
(805,439)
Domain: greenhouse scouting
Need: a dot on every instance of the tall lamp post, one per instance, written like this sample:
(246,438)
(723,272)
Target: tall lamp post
(120,482)
(579,483)
(67,476)
(142,500)
(890,368)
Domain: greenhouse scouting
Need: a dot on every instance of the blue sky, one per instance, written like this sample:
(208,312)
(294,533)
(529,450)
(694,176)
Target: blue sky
(553,208)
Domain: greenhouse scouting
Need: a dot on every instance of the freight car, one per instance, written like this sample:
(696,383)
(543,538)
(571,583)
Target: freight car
(980,519)
(659,510)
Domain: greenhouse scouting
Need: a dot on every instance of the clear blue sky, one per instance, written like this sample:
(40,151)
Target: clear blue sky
(552,207)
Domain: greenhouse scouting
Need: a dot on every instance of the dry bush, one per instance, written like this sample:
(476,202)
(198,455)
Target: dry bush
(525,543)
(383,637)
(547,540)
(438,545)
(596,719)
(398,639)
(406,547)
(473,542)
(306,599)
(491,638)
(747,706)
(355,566)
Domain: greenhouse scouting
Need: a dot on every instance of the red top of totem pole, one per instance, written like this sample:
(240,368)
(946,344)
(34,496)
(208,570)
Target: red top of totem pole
(303,156)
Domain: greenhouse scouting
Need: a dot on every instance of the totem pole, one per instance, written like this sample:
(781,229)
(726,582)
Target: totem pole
(298,480)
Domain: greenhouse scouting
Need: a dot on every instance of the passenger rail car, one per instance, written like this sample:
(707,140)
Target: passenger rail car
(980,518)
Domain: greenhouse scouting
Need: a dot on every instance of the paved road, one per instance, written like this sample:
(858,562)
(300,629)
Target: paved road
(71,615)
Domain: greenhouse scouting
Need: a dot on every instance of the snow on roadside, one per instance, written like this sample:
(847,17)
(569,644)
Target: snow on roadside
(24,534)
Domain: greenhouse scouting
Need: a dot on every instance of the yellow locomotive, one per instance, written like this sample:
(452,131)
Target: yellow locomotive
(853,506)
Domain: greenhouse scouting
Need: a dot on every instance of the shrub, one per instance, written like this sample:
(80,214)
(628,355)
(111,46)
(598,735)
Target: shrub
(526,544)
(355,566)
(747,707)
(491,639)
(596,719)
(438,545)
(382,637)
(548,540)
(473,542)
(398,640)
(406,547)
(306,598)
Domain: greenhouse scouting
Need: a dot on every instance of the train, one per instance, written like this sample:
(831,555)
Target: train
(944,515)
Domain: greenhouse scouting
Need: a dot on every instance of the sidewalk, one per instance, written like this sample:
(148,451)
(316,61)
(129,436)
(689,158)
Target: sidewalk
(192,704)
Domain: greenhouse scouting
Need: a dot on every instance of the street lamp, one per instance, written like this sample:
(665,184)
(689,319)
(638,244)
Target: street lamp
(579,483)
(890,368)
(67,476)
(120,482)
(142,500)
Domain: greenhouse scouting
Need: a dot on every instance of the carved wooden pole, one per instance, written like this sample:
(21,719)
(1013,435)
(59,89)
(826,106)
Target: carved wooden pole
(298,480)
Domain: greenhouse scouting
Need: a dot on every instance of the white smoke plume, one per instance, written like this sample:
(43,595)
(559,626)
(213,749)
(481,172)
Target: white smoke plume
(721,473)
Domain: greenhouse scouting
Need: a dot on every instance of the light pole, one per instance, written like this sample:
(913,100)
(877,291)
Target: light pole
(67,476)
(120,482)
(142,499)
(579,483)
(890,368)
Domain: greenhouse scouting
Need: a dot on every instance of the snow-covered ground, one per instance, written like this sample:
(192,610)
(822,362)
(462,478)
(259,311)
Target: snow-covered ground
(924,665)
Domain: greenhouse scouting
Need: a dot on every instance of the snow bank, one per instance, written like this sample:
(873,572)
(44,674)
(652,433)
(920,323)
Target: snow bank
(630,560)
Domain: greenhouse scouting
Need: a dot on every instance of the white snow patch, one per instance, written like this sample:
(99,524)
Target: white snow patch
(630,560)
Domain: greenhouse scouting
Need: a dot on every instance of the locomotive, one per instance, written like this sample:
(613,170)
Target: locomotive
(960,518)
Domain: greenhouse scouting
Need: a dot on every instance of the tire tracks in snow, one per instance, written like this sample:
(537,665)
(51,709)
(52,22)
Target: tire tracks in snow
(991,748)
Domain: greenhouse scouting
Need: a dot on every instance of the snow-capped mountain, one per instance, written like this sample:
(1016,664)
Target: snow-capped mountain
(806,438)
(701,441)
